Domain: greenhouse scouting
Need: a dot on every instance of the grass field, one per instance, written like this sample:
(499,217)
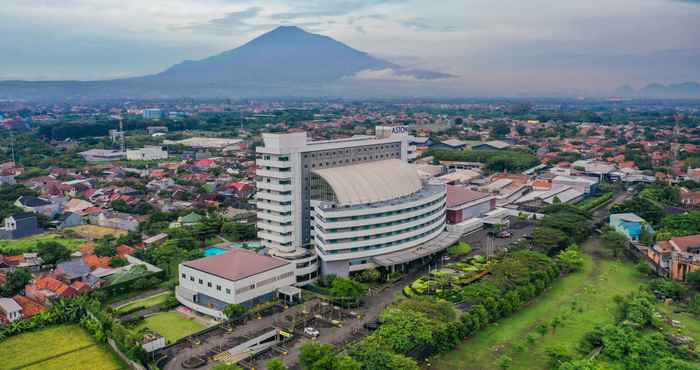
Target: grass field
(26,243)
(57,347)
(172,325)
(95,232)
(592,290)
(690,325)
(146,302)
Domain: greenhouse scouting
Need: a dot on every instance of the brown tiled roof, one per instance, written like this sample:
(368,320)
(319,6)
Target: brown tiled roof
(457,195)
(236,264)
(29,307)
(684,242)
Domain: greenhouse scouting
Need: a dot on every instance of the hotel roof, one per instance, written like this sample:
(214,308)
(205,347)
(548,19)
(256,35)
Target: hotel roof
(372,181)
(236,264)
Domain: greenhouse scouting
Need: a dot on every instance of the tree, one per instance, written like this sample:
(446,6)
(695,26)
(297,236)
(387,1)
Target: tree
(15,282)
(614,241)
(693,279)
(118,262)
(106,247)
(347,288)
(549,240)
(52,252)
(312,354)
(276,364)
(234,311)
(570,259)
(505,362)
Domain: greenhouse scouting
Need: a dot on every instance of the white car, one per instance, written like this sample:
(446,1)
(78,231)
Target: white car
(311,332)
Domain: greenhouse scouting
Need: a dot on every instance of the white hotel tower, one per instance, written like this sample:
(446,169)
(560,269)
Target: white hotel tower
(347,204)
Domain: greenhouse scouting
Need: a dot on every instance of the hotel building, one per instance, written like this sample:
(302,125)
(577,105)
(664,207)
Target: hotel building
(345,205)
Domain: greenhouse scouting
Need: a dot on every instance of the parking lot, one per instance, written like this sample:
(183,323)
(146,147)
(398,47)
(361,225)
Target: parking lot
(518,229)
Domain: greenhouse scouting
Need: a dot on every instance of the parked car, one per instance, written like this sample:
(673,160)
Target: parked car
(311,332)
(504,234)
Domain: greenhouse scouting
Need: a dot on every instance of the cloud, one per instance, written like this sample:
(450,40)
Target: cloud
(398,74)
(421,24)
(330,8)
(231,22)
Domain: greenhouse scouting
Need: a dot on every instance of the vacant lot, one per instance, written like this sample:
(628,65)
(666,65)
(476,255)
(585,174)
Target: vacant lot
(581,300)
(145,302)
(58,347)
(93,232)
(26,244)
(172,325)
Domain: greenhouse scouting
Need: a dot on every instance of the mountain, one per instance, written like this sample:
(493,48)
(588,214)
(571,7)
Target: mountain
(286,61)
(686,90)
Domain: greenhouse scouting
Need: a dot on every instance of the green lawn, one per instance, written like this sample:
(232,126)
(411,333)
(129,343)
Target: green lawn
(146,302)
(592,290)
(25,244)
(690,325)
(57,347)
(172,325)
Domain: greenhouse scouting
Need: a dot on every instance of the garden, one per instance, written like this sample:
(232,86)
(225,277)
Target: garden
(446,282)
(61,347)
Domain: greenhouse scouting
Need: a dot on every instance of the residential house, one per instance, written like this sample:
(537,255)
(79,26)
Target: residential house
(10,311)
(678,256)
(66,220)
(30,308)
(46,288)
(70,271)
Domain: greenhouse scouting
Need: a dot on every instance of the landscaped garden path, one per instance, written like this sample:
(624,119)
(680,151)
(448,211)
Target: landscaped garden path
(580,300)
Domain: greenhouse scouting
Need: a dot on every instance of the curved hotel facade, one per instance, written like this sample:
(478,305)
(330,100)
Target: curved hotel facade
(345,205)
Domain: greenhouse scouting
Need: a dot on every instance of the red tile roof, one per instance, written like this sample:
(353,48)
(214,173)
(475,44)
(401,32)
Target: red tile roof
(29,307)
(124,249)
(236,264)
(96,262)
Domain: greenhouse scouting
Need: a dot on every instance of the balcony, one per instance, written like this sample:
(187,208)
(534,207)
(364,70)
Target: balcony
(273,174)
(273,196)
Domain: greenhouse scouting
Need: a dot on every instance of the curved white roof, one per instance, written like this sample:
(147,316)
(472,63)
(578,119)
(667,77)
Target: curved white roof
(372,181)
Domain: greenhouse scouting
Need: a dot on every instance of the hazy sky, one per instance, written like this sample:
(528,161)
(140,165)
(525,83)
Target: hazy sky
(494,46)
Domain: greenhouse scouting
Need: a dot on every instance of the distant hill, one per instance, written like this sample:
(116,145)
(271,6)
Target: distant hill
(285,61)
(686,90)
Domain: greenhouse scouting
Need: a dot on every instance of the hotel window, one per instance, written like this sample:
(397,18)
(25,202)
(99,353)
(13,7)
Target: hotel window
(184,276)
(201,281)
(209,284)
(218,287)
(191,278)
(228,291)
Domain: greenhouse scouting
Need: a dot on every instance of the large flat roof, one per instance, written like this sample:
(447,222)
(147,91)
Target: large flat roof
(236,264)
(371,181)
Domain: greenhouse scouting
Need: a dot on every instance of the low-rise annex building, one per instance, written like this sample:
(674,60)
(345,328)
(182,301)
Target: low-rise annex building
(207,285)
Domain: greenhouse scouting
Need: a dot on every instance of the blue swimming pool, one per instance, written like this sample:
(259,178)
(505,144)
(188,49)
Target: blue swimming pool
(213,251)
